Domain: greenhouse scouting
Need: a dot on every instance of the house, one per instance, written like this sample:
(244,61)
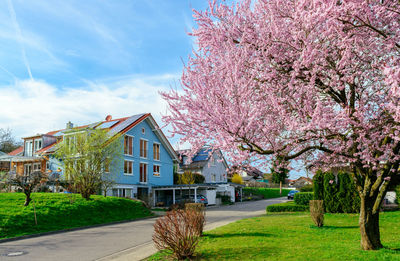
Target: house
(148,157)
(212,165)
(300,182)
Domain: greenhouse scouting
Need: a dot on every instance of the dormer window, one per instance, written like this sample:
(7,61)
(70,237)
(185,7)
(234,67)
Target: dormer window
(38,145)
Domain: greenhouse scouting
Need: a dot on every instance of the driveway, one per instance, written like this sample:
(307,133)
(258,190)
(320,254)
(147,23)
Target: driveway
(125,241)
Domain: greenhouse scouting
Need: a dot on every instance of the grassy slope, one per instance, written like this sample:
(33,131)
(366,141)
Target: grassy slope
(293,237)
(61,211)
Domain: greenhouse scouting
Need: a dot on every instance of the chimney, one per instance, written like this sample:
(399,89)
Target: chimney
(108,118)
(70,125)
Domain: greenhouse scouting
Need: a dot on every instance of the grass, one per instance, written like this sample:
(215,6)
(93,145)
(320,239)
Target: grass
(62,211)
(292,236)
(266,192)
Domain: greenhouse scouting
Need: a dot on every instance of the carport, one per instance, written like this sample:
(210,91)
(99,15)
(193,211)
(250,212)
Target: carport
(169,194)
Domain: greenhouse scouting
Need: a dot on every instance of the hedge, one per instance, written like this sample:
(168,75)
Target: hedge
(266,192)
(338,192)
(398,194)
(286,207)
(303,198)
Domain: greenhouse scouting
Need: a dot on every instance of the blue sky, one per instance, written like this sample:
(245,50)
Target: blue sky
(79,61)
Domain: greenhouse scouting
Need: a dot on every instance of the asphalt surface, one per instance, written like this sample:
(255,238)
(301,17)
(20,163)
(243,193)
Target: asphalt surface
(126,241)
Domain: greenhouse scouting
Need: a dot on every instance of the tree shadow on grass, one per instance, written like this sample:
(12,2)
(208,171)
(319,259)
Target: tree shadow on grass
(333,227)
(392,249)
(244,234)
(229,253)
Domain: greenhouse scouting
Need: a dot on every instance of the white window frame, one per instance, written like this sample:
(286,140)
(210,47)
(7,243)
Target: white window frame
(159,170)
(133,140)
(36,164)
(159,151)
(146,149)
(128,174)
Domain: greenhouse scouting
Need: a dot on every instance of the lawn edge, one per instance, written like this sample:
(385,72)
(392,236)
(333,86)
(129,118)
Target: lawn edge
(4,240)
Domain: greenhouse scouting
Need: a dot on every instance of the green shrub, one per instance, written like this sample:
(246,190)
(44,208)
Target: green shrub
(318,183)
(307,188)
(338,192)
(265,192)
(398,194)
(286,207)
(303,198)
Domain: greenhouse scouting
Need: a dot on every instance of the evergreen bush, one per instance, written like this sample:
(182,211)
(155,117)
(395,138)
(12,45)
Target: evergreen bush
(303,198)
(338,192)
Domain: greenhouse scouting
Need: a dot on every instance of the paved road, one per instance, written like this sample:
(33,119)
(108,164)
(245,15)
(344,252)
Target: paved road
(126,241)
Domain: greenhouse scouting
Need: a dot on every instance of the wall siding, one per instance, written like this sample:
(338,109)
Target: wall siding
(219,169)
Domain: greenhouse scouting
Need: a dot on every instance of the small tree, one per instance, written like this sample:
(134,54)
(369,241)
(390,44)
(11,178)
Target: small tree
(236,178)
(28,183)
(7,141)
(186,178)
(87,155)
(279,174)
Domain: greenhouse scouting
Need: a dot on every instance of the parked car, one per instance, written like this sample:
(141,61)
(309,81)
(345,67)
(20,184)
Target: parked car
(291,194)
(199,199)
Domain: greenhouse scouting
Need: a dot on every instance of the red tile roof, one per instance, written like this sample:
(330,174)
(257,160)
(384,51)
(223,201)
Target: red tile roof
(16,151)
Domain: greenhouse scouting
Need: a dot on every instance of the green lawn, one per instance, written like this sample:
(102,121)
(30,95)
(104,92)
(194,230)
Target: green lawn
(292,236)
(61,211)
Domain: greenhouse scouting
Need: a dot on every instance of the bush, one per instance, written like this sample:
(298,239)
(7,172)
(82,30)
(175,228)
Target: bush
(198,178)
(237,179)
(265,192)
(303,198)
(317,212)
(398,194)
(198,207)
(178,231)
(307,188)
(286,207)
(338,192)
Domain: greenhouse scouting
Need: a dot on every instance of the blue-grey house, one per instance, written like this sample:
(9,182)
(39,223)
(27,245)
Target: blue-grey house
(148,157)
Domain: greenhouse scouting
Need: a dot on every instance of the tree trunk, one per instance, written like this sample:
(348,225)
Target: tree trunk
(369,226)
(280,188)
(27,199)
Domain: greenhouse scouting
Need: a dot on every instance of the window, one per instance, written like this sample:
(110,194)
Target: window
(143,173)
(36,167)
(128,145)
(128,170)
(156,170)
(156,151)
(122,192)
(143,148)
(38,145)
(213,177)
(143,131)
(47,165)
(28,148)
(27,169)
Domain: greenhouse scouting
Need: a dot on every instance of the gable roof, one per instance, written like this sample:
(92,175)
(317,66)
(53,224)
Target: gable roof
(115,126)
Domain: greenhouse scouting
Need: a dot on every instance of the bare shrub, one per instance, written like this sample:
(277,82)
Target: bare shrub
(200,220)
(317,212)
(178,231)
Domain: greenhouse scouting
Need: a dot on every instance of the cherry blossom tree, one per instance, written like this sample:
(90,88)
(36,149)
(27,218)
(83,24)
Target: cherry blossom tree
(311,80)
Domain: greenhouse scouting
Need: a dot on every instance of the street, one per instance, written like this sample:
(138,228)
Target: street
(125,241)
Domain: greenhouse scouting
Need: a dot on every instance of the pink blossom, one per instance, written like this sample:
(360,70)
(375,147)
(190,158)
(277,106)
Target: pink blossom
(331,181)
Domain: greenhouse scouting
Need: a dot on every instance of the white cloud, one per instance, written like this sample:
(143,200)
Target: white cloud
(32,106)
